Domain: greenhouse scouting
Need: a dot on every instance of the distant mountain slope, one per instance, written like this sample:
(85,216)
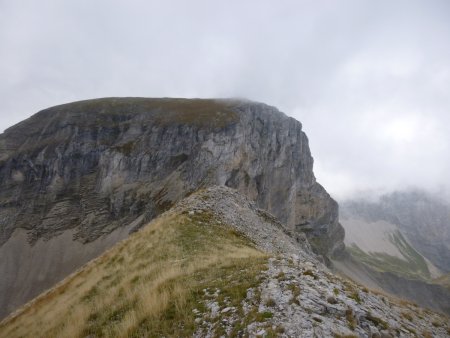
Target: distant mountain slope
(91,171)
(215,265)
(422,218)
(443,280)
(388,247)
(382,246)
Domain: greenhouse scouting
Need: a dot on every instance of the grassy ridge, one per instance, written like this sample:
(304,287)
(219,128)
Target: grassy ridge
(147,285)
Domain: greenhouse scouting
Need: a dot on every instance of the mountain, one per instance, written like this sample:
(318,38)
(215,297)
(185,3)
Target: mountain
(131,217)
(443,280)
(399,244)
(421,221)
(216,265)
(77,178)
(383,246)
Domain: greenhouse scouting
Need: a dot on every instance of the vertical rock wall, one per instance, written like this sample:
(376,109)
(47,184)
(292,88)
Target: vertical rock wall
(94,166)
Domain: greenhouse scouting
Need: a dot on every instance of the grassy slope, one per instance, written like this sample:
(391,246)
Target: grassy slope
(201,112)
(147,285)
(412,266)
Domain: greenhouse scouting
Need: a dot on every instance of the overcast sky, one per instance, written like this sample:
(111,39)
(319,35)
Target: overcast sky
(369,80)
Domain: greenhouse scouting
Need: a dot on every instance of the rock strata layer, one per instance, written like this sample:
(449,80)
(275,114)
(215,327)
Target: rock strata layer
(96,165)
(92,167)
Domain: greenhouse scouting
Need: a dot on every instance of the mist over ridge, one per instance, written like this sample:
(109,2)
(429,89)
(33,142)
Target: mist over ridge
(369,81)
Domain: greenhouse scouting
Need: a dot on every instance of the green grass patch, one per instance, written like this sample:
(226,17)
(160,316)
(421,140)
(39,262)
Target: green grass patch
(149,284)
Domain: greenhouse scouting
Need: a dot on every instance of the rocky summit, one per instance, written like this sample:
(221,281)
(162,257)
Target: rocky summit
(77,178)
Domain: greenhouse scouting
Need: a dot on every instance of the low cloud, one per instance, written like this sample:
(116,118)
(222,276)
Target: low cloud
(368,80)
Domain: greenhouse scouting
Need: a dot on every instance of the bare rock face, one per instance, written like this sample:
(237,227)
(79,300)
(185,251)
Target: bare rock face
(94,166)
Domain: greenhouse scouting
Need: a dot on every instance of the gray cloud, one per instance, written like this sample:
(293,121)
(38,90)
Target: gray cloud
(369,80)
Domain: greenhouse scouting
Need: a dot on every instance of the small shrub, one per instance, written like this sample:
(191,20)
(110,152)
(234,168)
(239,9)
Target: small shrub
(295,289)
(310,273)
(410,329)
(263,316)
(350,318)
(427,334)
(93,292)
(407,316)
(355,296)
(270,302)
(281,276)
(272,332)
(435,323)
(337,335)
(135,279)
(267,314)
(280,329)
(377,321)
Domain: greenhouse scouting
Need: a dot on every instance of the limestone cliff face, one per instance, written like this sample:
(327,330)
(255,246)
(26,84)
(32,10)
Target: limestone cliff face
(90,169)
(99,164)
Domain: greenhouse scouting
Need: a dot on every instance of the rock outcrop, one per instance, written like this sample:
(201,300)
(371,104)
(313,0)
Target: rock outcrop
(92,167)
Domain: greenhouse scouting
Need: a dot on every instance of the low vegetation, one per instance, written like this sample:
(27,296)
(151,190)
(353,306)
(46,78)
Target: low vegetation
(377,321)
(104,117)
(148,285)
(202,112)
(351,319)
(295,289)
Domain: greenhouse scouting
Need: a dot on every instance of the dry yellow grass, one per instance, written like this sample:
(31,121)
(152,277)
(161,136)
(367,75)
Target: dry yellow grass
(145,285)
